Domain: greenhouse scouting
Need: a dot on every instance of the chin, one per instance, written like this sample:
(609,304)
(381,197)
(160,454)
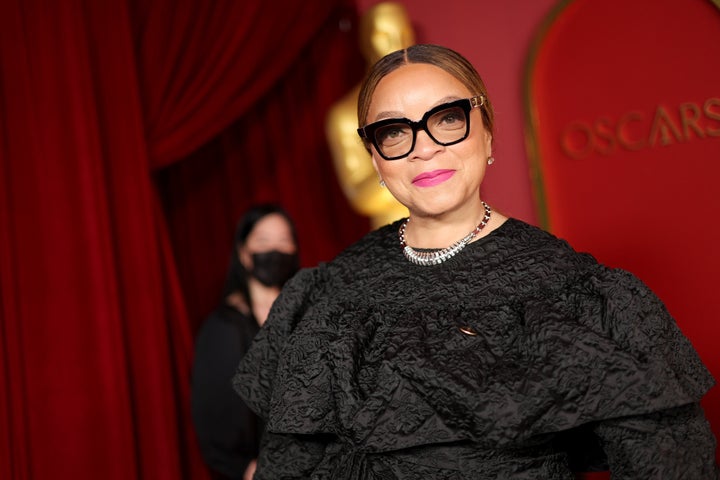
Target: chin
(435,210)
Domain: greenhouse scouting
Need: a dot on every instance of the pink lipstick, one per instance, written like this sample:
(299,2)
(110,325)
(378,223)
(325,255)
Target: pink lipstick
(435,177)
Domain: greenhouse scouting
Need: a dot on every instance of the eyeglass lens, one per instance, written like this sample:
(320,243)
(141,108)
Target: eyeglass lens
(445,126)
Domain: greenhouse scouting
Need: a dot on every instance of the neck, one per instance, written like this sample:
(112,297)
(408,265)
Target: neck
(440,255)
(440,231)
(261,299)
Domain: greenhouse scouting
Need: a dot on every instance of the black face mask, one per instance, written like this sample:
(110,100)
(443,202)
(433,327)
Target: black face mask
(274,268)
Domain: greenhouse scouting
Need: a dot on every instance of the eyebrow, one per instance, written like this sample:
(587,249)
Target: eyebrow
(396,114)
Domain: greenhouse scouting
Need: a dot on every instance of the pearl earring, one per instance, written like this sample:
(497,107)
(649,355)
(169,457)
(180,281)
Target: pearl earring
(490,160)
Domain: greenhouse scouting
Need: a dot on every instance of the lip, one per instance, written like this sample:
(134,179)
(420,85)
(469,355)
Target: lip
(432,178)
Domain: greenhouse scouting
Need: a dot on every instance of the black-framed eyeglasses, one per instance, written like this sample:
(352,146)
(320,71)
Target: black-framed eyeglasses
(446,124)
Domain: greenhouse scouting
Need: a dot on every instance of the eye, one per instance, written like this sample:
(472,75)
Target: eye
(449,119)
(392,134)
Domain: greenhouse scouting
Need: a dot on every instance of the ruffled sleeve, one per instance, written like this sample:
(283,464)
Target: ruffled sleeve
(648,417)
(613,348)
(254,379)
(645,363)
(263,381)
(622,367)
(671,444)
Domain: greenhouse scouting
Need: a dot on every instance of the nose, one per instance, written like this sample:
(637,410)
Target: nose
(425,147)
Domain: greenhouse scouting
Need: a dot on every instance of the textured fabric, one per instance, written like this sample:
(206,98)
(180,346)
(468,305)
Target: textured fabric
(228,431)
(362,370)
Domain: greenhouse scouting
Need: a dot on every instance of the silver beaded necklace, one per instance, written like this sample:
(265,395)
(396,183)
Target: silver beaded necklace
(439,256)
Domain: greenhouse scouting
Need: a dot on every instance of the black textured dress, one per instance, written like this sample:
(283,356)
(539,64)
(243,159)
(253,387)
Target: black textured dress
(371,367)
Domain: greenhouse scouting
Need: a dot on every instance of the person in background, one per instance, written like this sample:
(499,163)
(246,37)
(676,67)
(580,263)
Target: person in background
(264,257)
(460,343)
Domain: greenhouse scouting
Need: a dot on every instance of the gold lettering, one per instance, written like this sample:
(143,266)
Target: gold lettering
(603,131)
(581,139)
(710,102)
(662,126)
(568,144)
(620,131)
(688,122)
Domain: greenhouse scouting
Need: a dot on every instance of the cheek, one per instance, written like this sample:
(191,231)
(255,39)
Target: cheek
(380,165)
(468,152)
(390,171)
(285,247)
(474,161)
(245,259)
(479,147)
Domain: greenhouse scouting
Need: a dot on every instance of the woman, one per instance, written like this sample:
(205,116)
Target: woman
(459,343)
(265,256)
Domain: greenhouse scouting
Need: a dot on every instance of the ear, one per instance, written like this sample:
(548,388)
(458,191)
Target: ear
(488,143)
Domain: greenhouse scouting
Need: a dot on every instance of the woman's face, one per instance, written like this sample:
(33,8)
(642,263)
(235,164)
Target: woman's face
(433,179)
(272,232)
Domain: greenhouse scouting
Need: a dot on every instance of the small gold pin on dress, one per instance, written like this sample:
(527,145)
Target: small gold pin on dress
(467,331)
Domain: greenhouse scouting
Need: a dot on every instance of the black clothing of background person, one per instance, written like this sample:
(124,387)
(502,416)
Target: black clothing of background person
(228,431)
(264,257)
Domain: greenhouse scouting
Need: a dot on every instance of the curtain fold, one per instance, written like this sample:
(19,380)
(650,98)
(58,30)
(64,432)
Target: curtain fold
(70,278)
(213,61)
(94,98)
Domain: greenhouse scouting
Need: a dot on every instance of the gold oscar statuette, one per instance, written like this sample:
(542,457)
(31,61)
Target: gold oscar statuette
(384,28)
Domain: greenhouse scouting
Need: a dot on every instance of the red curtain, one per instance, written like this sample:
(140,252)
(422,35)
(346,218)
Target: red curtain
(277,152)
(95,98)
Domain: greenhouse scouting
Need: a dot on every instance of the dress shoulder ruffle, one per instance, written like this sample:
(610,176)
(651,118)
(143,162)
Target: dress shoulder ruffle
(254,379)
